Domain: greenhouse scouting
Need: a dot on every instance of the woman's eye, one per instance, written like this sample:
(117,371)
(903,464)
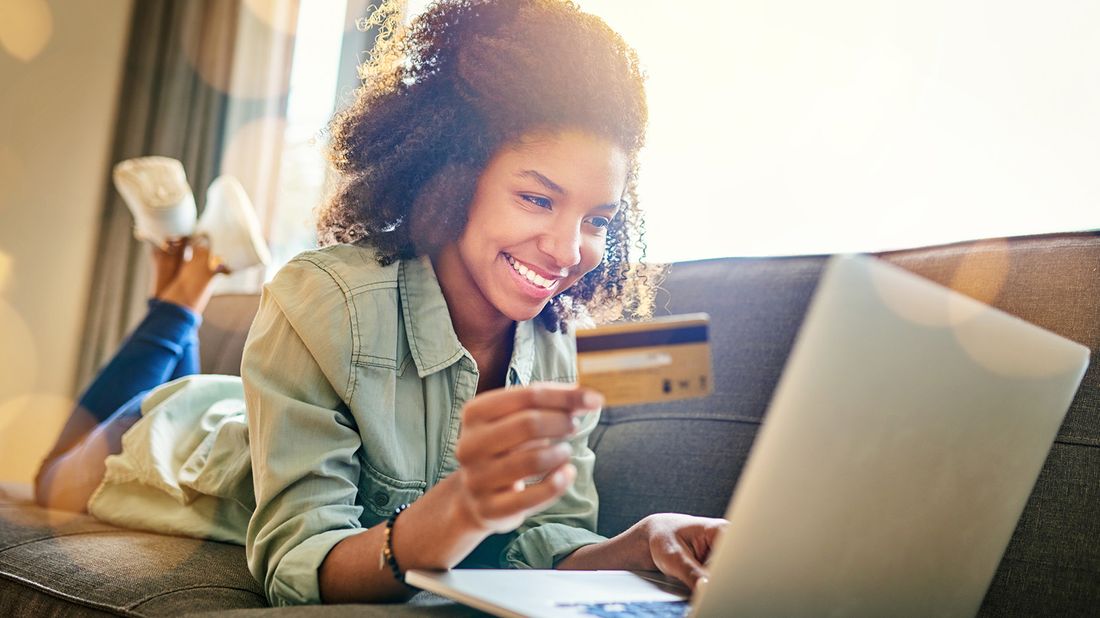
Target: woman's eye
(538,200)
(600,222)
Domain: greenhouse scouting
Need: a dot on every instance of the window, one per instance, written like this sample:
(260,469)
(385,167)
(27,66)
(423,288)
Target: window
(817,127)
(797,127)
(314,79)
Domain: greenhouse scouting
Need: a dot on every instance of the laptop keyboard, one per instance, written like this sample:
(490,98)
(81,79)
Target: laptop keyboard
(633,609)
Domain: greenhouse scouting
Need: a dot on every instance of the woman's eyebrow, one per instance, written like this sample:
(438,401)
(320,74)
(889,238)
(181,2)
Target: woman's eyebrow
(544,181)
(556,188)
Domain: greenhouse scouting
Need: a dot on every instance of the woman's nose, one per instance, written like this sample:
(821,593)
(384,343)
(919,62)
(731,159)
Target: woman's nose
(563,245)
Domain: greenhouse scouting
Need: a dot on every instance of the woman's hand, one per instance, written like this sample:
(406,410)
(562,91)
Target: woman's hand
(674,544)
(511,435)
(680,545)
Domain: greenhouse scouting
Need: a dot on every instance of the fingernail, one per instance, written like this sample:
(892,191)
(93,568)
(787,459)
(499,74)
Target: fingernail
(592,400)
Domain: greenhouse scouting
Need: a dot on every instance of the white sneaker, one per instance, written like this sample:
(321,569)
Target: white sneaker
(155,190)
(230,224)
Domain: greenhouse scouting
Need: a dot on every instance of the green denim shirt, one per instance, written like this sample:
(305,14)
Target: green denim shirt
(354,382)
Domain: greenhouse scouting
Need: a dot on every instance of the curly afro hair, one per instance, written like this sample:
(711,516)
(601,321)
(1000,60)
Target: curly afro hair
(440,98)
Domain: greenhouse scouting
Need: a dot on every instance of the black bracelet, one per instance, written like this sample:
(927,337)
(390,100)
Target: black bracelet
(387,556)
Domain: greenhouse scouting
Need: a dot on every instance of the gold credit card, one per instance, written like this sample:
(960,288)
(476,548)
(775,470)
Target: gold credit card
(646,362)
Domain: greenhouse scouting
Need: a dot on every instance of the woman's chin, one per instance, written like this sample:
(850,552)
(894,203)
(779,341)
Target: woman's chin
(525,315)
(524,312)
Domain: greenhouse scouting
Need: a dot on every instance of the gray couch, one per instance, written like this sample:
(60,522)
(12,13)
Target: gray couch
(682,457)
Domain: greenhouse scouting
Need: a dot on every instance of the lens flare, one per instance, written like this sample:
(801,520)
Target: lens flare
(246,153)
(5,271)
(26,27)
(982,272)
(279,15)
(19,360)
(262,50)
(29,425)
(927,310)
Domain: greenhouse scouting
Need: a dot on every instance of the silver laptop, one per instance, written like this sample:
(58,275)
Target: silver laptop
(900,447)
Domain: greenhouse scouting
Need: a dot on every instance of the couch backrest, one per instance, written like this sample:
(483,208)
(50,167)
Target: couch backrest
(225,325)
(686,456)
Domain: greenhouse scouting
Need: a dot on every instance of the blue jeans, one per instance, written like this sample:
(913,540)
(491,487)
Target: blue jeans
(163,347)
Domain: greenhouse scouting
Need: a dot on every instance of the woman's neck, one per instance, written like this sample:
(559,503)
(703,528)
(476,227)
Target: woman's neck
(483,330)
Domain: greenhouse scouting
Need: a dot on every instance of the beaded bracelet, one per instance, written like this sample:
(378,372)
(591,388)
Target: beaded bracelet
(387,557)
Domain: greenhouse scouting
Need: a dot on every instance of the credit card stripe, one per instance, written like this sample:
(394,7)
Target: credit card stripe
(643,339)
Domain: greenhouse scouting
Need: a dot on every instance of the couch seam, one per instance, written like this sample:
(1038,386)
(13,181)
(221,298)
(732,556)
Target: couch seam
(608,422)
(128,610)
(1077,441)
(61,536)
(679,417)
(74,600)
(136,605)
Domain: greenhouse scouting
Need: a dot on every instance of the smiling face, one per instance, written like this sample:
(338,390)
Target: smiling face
(537,224)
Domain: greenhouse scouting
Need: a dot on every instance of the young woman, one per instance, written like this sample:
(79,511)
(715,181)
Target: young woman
(409,387)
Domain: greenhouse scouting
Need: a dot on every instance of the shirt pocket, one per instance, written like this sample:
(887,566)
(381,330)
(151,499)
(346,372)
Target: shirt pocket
(380,494)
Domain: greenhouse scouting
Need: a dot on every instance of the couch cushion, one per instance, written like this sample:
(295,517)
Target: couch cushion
(224,328)
(57,563)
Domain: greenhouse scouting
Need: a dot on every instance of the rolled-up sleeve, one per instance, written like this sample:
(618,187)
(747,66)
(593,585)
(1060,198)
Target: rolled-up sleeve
(548,537)
(303,441)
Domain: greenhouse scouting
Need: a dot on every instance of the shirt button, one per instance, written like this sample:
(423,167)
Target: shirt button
(380,499)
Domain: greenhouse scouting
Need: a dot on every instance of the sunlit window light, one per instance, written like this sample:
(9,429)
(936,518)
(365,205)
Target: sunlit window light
(310,105)
(797,127)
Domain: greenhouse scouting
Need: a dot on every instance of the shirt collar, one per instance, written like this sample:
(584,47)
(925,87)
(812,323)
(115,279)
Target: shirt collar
(432,339)
(523,354)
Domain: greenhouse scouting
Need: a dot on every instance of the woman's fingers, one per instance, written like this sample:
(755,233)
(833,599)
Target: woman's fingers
(708,540)
(680,545)
(502,472)
(492,405)
(509,435)
(504,510)
(678,561)
(492,439)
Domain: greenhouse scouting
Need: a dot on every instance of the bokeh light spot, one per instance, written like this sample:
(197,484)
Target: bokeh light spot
(5,271)
(255,66)
(1027,353)
(933,310)
(29,425)
(26,27)
(245,148)
(983,270)
(279,15)
(19,361)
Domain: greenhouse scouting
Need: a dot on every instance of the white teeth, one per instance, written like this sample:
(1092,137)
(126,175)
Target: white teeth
(529,274)
(537,280)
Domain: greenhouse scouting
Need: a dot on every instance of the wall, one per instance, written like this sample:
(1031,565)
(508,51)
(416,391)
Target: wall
(61,66)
